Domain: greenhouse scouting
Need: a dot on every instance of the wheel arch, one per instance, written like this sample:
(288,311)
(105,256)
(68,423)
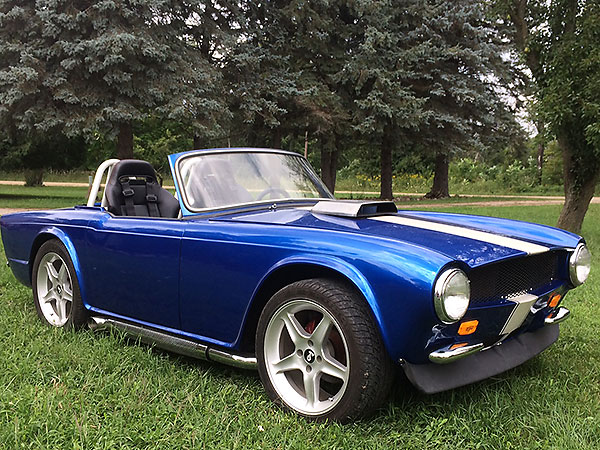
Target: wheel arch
(47,234)
(297,269)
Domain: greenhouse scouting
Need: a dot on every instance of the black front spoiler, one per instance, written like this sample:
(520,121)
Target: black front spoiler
(432,378)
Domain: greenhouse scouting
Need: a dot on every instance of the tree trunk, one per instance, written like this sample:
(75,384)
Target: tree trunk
(125,141)
(329,161)
(440,177)
(579,190)
(387,147)
(540,151)
(276,138)
(255,138)
(197,142)
(540,162)
(306,144)
(34,177)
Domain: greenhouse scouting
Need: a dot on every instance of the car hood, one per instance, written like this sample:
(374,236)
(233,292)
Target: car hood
(474,240)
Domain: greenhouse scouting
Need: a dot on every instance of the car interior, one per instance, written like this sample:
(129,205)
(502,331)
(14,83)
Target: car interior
(212,184)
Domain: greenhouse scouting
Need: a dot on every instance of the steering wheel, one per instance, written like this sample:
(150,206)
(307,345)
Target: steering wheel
(273,190)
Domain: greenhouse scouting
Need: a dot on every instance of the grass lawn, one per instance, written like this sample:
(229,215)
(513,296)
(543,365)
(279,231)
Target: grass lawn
(353,185)
(84,390)
(66,196)
(41,197)
(416,200)
(76,176)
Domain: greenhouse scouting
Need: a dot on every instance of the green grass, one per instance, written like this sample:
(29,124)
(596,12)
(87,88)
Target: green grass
(353,183)
(96,390)
(71,176)
(48,197)
(419,200)
(79,176)
(41,197)
(420,184)
(45,197)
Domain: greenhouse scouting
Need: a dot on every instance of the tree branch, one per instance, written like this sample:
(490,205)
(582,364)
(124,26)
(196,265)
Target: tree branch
(518,15)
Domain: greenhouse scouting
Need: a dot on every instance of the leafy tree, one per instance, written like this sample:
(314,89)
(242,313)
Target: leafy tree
(326,34)
(156,138)
(79,66)
(52,152)
(559,42)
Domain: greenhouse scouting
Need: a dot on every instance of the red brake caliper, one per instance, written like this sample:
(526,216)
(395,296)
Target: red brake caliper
(310,326)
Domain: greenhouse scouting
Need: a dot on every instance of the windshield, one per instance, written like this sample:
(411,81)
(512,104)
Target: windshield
(216,180)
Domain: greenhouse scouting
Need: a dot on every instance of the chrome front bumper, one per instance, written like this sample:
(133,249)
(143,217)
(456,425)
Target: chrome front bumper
(450,354)
(432,378)
(558,316)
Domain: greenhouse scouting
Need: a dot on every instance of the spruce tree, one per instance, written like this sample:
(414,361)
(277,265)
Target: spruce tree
(82,66)
(259,80)
(425,77)
(284,75)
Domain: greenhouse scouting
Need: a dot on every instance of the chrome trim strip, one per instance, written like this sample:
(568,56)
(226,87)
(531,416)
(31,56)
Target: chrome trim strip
(210,151)
(522,308)
(174,343)
(252,206)
(444,356)
(561,314)
(455,230)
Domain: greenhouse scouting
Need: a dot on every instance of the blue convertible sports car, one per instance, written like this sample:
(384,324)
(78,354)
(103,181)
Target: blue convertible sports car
(254,264)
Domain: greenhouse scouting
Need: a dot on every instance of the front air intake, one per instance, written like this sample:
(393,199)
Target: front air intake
(532,274)
(354,208)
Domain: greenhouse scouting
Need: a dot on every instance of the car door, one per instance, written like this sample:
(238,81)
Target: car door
(222,263)
(132,268)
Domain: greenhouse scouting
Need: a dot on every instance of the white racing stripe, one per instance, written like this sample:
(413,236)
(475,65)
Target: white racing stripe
(484,236)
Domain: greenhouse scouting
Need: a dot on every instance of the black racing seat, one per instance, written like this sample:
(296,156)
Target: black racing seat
(133,190)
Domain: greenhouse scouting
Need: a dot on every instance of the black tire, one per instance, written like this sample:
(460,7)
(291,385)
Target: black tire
(365,369)
(75,315)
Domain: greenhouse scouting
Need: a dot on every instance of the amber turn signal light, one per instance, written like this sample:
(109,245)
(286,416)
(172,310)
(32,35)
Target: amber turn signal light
(554,300)
(468,327)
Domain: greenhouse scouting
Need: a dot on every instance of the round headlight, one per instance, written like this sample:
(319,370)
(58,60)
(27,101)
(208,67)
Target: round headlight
(579,265)
(451,295)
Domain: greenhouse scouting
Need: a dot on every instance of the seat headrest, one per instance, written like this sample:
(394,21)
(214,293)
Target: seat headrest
(133,167)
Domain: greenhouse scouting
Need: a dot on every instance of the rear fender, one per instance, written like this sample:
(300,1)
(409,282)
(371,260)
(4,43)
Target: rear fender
(48,233)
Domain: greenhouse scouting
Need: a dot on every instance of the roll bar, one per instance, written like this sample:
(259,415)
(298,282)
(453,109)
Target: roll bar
(108,164)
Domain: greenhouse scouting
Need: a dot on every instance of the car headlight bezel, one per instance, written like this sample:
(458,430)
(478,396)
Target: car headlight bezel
(451,295)
(580,263)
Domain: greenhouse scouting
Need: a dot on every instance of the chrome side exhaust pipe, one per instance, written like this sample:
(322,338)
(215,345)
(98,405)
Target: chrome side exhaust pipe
(174,344)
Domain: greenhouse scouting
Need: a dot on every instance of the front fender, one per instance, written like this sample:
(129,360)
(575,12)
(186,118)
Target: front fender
(338,265)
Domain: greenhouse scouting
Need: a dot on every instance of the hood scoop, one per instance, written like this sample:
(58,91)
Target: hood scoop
(354,208)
